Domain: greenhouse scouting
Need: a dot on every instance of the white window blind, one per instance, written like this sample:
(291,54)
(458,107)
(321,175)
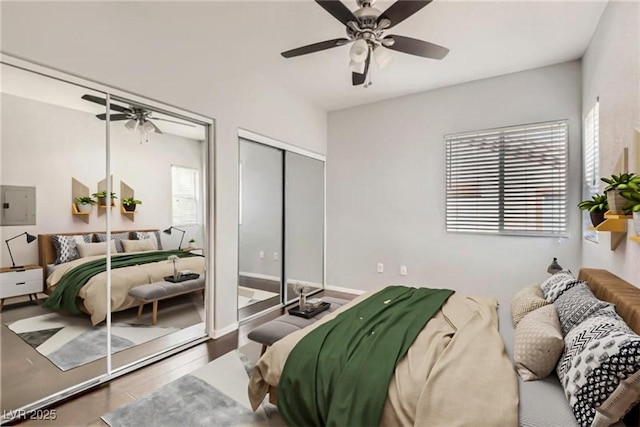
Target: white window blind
(591,165)
(185,195)
(508,181)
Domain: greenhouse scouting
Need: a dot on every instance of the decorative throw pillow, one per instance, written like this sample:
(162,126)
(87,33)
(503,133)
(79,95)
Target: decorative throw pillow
(577,304)
(66,249)
(557,284)
(154,236)
(138,245)
(526,300)
(600,369)
(537,344)
(117,237)
(93,249)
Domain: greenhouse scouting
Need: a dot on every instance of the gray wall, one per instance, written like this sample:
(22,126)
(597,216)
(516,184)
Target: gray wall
(611,71)
(261,228)
(385,186)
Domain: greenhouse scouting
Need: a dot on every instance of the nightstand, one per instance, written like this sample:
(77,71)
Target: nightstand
(17,282)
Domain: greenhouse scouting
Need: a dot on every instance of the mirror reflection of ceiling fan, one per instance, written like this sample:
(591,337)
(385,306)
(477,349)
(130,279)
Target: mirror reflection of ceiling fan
(365,29)
(138,118)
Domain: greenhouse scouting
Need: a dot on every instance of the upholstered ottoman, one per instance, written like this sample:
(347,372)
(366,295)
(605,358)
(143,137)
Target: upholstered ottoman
(154,292)
(282,326)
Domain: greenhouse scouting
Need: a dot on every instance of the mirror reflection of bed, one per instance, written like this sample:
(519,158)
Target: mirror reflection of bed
(45,350)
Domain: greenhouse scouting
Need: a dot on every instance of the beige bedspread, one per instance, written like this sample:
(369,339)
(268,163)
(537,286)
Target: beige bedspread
(94,292)
(456,373)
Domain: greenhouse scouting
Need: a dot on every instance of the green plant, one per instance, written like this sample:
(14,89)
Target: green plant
(597,203)
(128,201)
(192,240)
(85,200)
(100,194)
(624,181)
(633,197)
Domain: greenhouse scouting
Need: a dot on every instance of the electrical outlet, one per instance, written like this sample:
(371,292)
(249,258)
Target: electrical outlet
(403,270)
(276,256)
(380,267)
(261,255)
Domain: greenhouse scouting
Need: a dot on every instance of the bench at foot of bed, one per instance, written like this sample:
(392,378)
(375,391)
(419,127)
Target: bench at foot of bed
(154,292)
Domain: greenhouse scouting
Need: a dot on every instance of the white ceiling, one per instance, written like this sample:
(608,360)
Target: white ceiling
(485,39)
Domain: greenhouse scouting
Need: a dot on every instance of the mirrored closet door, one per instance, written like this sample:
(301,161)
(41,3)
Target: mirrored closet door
(105,204)
(281,225)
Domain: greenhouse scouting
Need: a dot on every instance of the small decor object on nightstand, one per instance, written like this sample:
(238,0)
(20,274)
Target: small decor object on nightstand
(192,243)
(30,238)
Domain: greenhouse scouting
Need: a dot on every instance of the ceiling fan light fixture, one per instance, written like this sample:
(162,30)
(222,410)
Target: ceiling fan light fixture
(359,51)
(382,55)
(131,124)
(356,67)
(148,127)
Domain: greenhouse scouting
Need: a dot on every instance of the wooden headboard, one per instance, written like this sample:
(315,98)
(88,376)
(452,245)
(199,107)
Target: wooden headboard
(608,287)
(47,251)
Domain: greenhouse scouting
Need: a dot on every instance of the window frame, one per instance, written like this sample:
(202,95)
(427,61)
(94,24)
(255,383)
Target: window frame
(501,231)
(196,198)
(589,189)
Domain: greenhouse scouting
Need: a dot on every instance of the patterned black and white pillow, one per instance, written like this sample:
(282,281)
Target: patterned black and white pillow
(577,304)
(153,235)
(599,367)
(117,237)
(557,284)
(66,249)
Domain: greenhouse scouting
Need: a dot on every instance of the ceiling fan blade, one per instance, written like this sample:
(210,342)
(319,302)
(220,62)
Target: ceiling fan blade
(102,101)
(114,117)
(173,121)
(338,10)
(316,47)
(401,10)
(156,129)
(417,47)
(356,78)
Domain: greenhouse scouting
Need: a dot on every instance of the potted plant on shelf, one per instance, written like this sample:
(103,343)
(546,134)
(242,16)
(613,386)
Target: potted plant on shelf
(596,206)
(129,204)
(102,197)
(632,195)
(84,203)
(616,184)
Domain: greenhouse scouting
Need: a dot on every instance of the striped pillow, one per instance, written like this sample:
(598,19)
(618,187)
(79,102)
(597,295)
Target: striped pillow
(526,300)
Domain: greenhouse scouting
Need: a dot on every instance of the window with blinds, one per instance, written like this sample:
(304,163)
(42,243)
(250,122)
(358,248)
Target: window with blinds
(591,164)
(184,196)
(508,181)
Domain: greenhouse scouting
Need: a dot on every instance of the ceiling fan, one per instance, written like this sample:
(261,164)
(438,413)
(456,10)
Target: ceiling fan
(138,118)
(365,29)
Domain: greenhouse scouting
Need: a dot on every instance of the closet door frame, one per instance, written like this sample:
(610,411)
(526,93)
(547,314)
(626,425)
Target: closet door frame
(113,93)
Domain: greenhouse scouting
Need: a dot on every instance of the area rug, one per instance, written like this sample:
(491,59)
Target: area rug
(213,395)
(248,296)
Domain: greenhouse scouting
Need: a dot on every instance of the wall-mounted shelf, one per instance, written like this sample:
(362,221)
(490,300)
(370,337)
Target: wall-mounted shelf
(616,225)
(125,193)
(635,239)
(78,189)
(102,186)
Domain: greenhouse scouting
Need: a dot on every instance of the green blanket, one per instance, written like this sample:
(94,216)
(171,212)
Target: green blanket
(64,295)
(339,373)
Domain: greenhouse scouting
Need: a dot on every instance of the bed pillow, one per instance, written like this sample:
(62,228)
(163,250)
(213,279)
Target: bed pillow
(93,249)
(66,249)
(138,245)
(154,236)
(577,304)
(525,301)
(557,284)
(117,237)
(600,369)
(537,344)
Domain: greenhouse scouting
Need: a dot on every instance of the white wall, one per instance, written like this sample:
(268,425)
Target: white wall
(147,48)
(385,186)
(611,71)
(45,145)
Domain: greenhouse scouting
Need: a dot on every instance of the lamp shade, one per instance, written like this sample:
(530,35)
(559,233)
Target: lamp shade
(356,67)
(554,267)
(382,55)
(359,51)
(131,124)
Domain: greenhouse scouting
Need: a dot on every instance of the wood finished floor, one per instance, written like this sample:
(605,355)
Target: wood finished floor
(87,408)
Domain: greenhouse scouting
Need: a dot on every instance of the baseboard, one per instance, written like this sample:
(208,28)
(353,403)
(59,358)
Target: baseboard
(217,333)
(259,276)
(344,290)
